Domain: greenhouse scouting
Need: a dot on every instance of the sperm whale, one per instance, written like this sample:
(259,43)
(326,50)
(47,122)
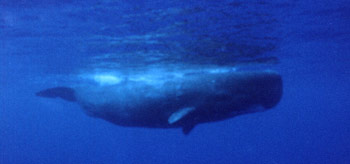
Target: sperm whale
(172,99)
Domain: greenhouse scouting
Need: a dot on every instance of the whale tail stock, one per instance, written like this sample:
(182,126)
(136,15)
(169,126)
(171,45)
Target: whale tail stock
(64,93)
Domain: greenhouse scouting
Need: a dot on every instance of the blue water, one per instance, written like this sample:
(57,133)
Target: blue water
(44,43)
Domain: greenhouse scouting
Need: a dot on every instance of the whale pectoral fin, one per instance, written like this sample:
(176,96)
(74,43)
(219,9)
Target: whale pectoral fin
(64,93)
(178,115)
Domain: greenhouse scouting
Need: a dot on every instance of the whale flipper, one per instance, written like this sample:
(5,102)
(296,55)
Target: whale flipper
(178,115)
(64,93)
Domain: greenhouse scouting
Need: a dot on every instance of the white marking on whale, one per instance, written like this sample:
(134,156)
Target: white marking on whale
(105,79)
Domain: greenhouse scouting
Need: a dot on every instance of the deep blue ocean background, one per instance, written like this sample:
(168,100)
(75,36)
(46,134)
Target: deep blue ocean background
(44,42)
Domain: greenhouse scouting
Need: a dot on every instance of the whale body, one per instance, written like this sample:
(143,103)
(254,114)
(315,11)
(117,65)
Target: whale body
(173,99)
